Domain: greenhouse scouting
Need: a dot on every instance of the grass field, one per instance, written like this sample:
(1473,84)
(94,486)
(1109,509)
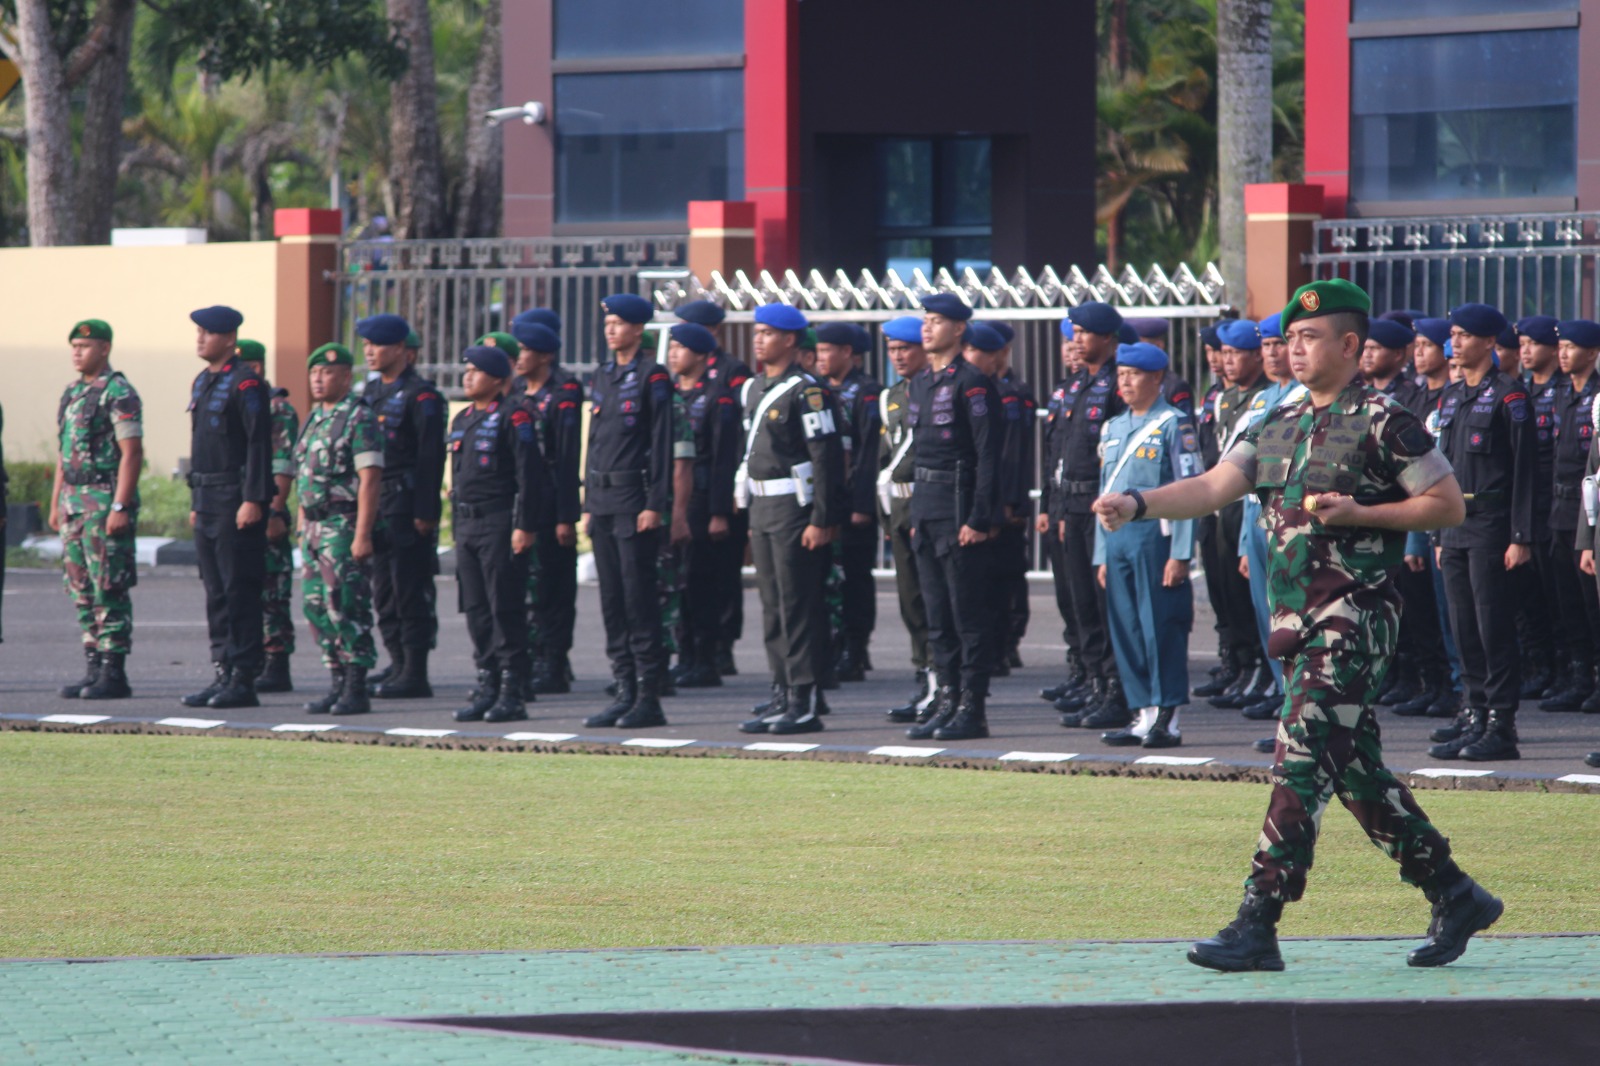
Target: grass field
(133,845)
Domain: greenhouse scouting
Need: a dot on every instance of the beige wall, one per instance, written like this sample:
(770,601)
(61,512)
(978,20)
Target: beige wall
(146,294)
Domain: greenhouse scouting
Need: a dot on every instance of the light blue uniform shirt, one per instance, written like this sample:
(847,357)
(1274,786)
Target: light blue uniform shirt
(1166,455)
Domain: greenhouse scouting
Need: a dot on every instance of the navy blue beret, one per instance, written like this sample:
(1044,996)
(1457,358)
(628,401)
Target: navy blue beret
(842,333)
(1126,334)
(1580,331)
(1405,318)
(982,336)
(1096,318)
(1007,334)
(694,337)
(383,329)
(492,361)
(1271,326)
(1390,333)
(863,342)
(782,316)
(947,304)
(1066,328)
(1240,333)
(628,307)
(221,319)
(907,329)
(1209,338)
(1541,329)
(536,336)
(1436,330)
(701,313)
(1150,327)
(542,315)
(1142,355)
(1480,320)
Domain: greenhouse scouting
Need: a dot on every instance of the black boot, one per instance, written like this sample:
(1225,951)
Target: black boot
(1249,942)
(1072,719)
(1265,745)
(939,712)
(1122,738)
(848,666)
(1471,722)
(1406,687)
(1077,678)
(701,673)
(725,664)
(1112,710)
(819,703)
(1448,705)
(1592,759)
(1434,681)
(1498,742)
(396,664)
(325,704)
(770,705)
(1579,687)
(799,713)
(91,674)
(968,723)
(646,711)
(1224,677)
(219,681)
(481,698)
(1459,911)
(627,693)
(411,683)
(509,707)
(1592,704)
(769,712)
(557,677)
(239,692)
(1240,692)
(274,676)
(1537,678)
(112,684)
(921,696)
(355,699)
(1161,734)
(1265,709)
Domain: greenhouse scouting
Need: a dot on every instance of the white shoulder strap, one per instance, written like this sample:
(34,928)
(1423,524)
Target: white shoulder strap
(1135,442)
(767,401)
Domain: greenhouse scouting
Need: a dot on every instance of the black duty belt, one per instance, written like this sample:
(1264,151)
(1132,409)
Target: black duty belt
(88,479)
(615,479)
(1567,492)
(326,511)
(945,477)
(1079,488)
(481,510)
(214,481)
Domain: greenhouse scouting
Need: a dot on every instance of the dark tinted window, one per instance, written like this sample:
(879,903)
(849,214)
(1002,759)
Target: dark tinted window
(1389,10)
(589,28)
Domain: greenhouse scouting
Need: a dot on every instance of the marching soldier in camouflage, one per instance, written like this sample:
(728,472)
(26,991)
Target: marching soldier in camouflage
(339,460)
(670,569)
(278,627)
(1341,474)
(95,503)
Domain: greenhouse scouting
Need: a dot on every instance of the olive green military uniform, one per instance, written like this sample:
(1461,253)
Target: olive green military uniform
(896,482)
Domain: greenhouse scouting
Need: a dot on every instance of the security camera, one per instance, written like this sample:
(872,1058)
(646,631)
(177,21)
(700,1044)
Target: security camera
(531,113)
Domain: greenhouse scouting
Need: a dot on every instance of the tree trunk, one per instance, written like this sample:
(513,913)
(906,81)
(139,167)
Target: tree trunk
(416,171)
(478,213)
(100,152)
(48,116)
(1244,125)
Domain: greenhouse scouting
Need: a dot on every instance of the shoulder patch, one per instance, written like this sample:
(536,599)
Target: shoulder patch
(1517,404)
(1411,437)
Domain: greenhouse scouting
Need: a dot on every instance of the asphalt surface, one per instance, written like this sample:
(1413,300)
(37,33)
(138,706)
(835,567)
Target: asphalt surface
(41,652)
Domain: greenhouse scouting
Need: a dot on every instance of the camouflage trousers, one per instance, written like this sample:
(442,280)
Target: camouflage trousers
(338,593)
(1328,745)
(534,606)
(669,588)
(98,571)
(276,592)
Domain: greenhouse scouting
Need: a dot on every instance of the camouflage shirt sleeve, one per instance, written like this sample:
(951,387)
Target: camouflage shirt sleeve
(366,442)
(1243,452)
(1414,461)
(285,429)
(682,429)
(124,408)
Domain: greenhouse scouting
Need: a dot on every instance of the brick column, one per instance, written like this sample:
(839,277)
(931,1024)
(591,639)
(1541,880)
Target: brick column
(1278,231)
(308,251)
(722,237)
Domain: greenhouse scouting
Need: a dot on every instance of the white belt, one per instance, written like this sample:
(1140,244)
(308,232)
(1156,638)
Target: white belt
(901,490)
(778,486)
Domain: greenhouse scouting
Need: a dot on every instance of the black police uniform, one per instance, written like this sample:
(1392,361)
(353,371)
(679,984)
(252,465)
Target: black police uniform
(728,376)
(1576,600)
(1215,558)
(713,414)
(557,408)
(1011,556)
(856,398)
(1535,591)
(230,462)
(1179,393)
(411,413)
(1421,639)
(1255,678)
(1055,427)
(1487,433)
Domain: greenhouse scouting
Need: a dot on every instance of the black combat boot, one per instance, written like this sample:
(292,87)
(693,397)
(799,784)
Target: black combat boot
(355,699)
(1592,704)
(1434,681)
(627,692)
(770,705)
(646,711)
(1463,719)
(1161,734)
(1077,679)
(509,707)
(1265,745)
(1223,676)
(769,712)
(1249,687)
(1592,759)
(1537,677)
(848,665)
(112,684)
(396,664)
(325,704)
(799,713)
(970,722)
(725,664)
(481,698)
(1265,709)
(411,683)
(91,674)
(239,692)
(1472,721)
(1406,687)
(1250,941)
(1072,719)
(274,675)
(1112,710)
(819,703)
(557,677)
(1459,910)
(1499,739)
(1579,687)
(921,696)
(702,669)
(1448,705)
(939,712)
(827,676)
(219,681)
(1126,737)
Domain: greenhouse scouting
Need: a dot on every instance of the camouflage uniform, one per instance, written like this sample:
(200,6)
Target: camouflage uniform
(337,443)
(278,631)
(1335,618)
(99,570)
(669,568)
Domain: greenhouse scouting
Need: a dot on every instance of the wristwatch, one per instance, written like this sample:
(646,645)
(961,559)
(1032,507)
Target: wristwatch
(1139,504)
(118,507)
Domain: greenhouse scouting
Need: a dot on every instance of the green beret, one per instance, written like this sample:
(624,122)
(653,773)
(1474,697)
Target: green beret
(331,355)
(91,329)
(250,351)
(1325,298)
(504,341)
(414,341)
(808,339)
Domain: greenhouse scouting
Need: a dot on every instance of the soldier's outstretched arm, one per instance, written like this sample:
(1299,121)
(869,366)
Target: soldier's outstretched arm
(1439,506)
(1190,498)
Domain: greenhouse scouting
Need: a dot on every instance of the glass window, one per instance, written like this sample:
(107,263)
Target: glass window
(589,28)
(637,146)
(1388,10)
(1459,118)
(964,182)
(907,182)
(934,203)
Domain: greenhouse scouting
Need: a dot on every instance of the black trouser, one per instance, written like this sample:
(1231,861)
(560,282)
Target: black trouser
(858,550)
(1534,593)
(1217,569)
(730,570)
(1233,587)
(625,562)
(233,566)
(1056,553)
(1576,599)
(1478,593)
(557,609)
(907,585)
(794,626)
(1087,620)
(704,591)
(1011,581)
(958,594)
(1421,640)
(492,582)
(402,575)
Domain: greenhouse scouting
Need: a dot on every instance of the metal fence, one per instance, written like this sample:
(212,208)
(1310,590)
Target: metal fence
(1522,264)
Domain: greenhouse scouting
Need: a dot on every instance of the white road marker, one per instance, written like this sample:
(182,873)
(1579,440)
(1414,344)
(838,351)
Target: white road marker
(1449,771)
(1174,760)
(548,738)
(774,745)
(192,723)
(1038,756)
(655,742)
(896,752)
(304,727)
(76,719)
(406,731)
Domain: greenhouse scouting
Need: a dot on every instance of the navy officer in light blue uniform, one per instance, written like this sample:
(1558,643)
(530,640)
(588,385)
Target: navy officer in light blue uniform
(1144,566)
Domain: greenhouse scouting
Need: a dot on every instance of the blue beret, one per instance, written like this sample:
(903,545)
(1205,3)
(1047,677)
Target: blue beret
(694,337)
(1150,327)
(536,336)
(701,313)
(1240,333)
(863,342)
(1096,318)
(781,316)
(907,329)
(1126,334)
(1007,334)
(218,319)
(1509,338)
(628,307)
(383,329)
(1580,331)
(947,304)
(1541,329)
(492,361)
(837,333)
(1209,337)
(982,336)
(1405,318)
(1436,330)
(1066,328)
(1142,355)
(1271,326)
(1390,333)
(1480,320)
(542,315)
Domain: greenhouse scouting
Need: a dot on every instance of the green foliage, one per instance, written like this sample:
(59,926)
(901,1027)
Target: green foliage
(30,483)
(237,38)
(164,507)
